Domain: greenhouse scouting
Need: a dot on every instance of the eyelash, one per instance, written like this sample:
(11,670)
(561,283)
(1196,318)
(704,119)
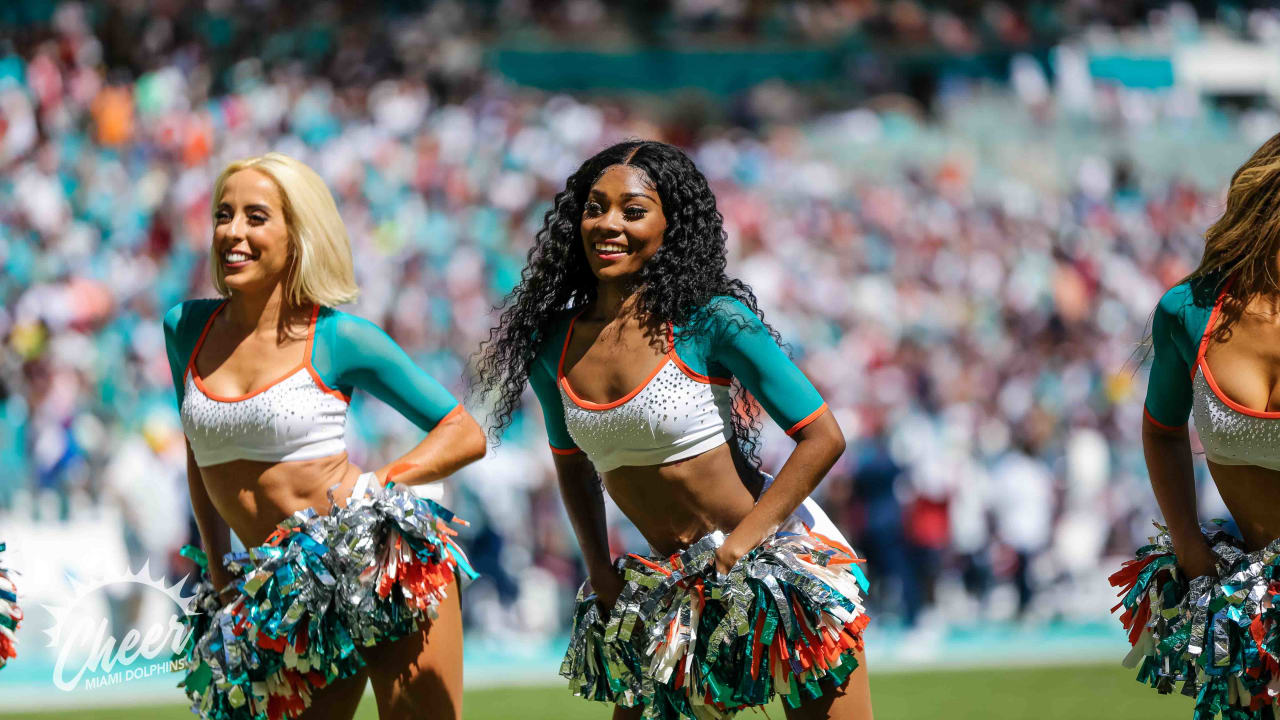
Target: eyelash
(224,216)
(633,212)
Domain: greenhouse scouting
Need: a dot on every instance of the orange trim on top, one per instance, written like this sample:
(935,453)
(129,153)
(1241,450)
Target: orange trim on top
(457,410)
(675,357)
(709,380)
(1147,414)
(1213,385)
(1203,363)
(587,404)
(808,419)
(564,451)
(1208,328)
(306,361)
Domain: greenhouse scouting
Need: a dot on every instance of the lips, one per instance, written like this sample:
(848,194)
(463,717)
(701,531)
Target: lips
(235,259)
(610,250)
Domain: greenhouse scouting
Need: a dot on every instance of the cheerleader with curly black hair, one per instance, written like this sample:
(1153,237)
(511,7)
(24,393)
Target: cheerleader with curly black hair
(632,337)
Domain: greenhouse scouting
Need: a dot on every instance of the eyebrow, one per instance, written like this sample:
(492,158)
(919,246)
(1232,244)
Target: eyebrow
(627,195)
(260,208)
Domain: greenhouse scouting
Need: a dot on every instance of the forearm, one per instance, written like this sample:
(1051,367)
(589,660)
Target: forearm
(819,446)
(583,497)
(1168,456)
(452,444)
(215,534)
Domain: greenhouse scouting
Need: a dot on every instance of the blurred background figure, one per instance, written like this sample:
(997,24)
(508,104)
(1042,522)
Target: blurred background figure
(960,217)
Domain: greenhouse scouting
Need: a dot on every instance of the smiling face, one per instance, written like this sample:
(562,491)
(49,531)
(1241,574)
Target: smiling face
(622,223)
(250,233)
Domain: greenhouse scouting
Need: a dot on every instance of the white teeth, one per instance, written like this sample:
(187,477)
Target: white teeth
(234,257)
(610,248)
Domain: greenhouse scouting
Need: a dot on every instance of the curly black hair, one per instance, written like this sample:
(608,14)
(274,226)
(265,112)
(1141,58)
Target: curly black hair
(686,272)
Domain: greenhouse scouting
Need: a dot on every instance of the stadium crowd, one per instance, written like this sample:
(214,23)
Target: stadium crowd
(969,294)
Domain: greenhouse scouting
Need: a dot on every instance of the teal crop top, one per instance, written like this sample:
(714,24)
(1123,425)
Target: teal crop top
(347,352)
(1177,329)
(732,343)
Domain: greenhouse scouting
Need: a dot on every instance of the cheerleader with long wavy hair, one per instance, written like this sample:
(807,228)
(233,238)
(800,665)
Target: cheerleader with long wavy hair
(350,577)
(1200,603)
(637,344)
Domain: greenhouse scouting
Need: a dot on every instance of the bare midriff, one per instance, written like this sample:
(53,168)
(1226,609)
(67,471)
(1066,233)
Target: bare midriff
(253,496)
(675,504)
(1252,496)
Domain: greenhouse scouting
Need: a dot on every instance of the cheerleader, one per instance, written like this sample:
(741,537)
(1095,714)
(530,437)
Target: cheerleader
(10,616)
(1199,602)
(350,576)
(630,333)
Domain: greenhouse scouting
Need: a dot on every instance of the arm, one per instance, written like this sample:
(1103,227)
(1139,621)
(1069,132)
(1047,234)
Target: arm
(1166,443)
(367,358)
(455,441)
(745,347)
(583,497)
(580,488)
(1168,454)
(215,535)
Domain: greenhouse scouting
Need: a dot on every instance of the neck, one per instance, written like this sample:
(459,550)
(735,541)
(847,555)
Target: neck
(616,298)
(260,311)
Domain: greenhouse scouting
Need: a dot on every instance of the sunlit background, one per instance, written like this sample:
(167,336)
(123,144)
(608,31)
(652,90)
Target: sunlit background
(959,215)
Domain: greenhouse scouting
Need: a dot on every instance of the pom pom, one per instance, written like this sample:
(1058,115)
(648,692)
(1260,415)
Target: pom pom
(317,591)
(685,641)
(10,615)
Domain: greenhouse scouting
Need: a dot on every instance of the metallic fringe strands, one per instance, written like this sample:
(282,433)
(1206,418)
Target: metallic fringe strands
(684,641)
(1219,637)
(10,615)
(320,589)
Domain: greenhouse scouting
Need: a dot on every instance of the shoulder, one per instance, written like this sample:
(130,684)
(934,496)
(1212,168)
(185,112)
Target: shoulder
(181,316)
(549,340)
(1189,303)
(726,313)
(347,328)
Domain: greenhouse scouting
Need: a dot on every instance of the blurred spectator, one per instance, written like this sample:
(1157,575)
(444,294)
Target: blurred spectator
(965,292)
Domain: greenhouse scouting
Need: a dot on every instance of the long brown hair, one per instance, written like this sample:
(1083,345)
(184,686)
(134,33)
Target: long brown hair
(1242,246)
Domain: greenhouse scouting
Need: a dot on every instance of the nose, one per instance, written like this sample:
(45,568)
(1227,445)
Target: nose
(611,223)
(236,227)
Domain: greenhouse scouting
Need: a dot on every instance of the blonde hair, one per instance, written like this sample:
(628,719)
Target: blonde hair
(321,269)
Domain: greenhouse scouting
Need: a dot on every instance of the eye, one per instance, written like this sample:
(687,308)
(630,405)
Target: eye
(592,208)
(221,216)
(257,218)
(634,212)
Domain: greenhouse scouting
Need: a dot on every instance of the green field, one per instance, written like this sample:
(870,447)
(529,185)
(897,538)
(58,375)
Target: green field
(1097,692)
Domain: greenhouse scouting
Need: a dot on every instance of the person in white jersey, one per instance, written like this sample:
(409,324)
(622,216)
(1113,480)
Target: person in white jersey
(631,335)
(1200,603)
(350,576)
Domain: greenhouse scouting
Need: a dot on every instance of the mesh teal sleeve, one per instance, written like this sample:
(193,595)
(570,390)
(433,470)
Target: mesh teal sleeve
(182,327)
(1176,329)
(543,381)
(351,352)
(740,343)
(177,364)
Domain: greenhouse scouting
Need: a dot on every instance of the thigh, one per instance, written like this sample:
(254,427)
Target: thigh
(420,675)
(851,701)
(338,700)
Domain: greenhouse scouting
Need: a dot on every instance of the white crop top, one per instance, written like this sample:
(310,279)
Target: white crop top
(291,418)
(1232,434)
(674,414)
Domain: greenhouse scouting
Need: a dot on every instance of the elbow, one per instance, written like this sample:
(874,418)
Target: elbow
(471,441)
